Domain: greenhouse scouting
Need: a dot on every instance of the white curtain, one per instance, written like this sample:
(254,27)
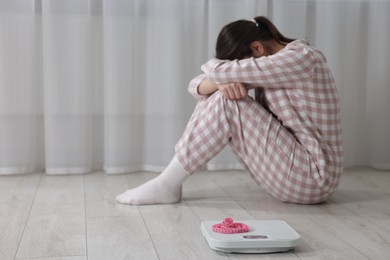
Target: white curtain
(102,84)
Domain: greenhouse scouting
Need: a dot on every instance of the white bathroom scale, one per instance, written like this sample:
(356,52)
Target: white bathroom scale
(264,236)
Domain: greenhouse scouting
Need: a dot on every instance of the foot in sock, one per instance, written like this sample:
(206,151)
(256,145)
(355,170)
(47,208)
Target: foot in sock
(164,189)
(155,191)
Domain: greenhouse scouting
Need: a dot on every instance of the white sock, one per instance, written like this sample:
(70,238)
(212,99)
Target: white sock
(164,189)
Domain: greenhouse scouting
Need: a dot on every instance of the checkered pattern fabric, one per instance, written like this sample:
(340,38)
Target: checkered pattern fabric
(290,140)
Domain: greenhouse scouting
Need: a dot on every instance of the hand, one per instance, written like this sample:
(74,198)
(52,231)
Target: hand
(233,90)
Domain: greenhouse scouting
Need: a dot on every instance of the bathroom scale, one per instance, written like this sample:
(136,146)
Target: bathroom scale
(260,236)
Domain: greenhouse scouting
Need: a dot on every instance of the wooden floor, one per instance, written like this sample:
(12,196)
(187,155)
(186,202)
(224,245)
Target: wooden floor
(75,217)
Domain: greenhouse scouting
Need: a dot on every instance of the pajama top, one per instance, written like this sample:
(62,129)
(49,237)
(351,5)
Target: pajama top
(297,87)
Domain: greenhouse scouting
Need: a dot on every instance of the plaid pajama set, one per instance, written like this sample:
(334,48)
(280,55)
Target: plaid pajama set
(288,137)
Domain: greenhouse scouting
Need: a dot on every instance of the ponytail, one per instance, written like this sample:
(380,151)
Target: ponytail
(268,31)
(234,40)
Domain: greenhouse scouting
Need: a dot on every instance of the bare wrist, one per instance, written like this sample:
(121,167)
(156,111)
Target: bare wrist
(207,87)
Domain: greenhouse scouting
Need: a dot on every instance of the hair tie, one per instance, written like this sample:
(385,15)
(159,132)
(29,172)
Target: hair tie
(255,22)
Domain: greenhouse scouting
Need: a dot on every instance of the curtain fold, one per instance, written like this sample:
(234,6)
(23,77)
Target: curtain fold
(91,85)
(21,129)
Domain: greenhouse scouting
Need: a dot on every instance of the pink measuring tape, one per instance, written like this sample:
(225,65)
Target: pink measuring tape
(229,227)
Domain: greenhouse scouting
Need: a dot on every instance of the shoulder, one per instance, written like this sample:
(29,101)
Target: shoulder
(296,52)
(302,47)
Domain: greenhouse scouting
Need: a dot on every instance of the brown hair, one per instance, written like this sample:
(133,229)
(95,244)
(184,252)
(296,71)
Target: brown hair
(235,38)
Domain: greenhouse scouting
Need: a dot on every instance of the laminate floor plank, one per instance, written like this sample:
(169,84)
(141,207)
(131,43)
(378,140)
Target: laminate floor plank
(100,192)
(16,199)
(363,200)
(119,238)
(57,258)
(56,225)
(368,179)
(14,210)
(19,184)
(209,201)
(175,232)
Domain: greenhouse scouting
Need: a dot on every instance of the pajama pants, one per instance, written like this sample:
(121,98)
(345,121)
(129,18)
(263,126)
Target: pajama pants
(269,152)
